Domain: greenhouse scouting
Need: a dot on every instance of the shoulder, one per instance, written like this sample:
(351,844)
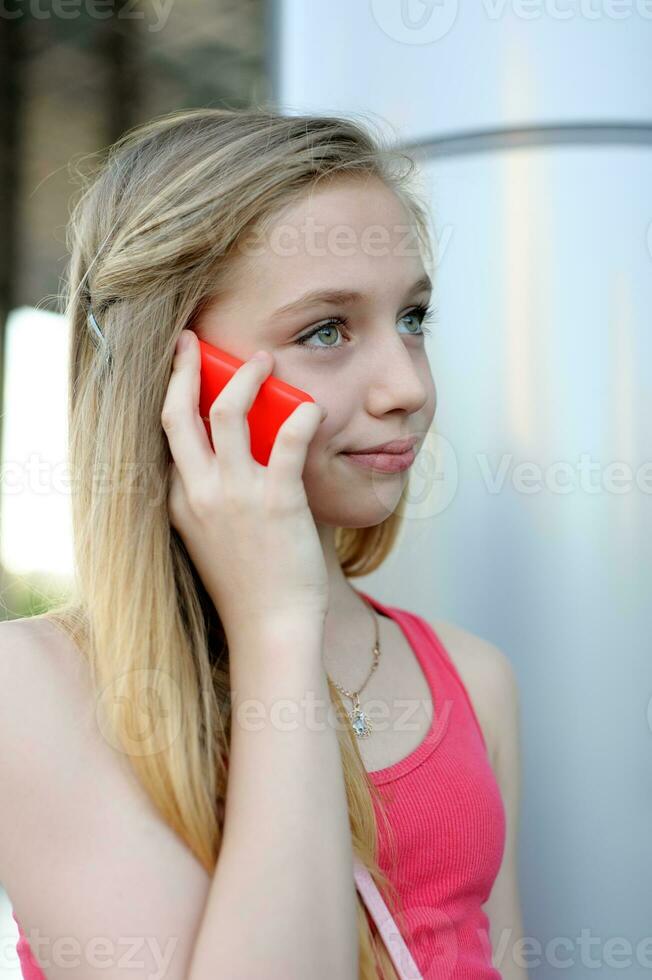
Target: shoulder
(481,659)
(38,661)
(43,707)
(28,642)
(48,715)
(36,633)
(44,694)
(74,814)
(487,674)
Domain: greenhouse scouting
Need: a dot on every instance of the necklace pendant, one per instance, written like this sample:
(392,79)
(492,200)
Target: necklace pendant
(360,723)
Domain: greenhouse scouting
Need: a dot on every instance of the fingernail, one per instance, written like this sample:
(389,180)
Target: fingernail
(183,343)
(260,355)
(324,412)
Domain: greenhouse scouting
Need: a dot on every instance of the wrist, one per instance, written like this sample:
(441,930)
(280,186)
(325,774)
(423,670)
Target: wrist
(279,657)
(277,632)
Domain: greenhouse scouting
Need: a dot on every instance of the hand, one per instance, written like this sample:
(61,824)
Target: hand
(247,528)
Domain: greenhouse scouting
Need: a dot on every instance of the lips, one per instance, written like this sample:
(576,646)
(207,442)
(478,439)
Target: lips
(382,462)
(396,446)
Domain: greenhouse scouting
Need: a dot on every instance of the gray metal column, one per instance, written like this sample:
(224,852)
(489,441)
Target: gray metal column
(533,124)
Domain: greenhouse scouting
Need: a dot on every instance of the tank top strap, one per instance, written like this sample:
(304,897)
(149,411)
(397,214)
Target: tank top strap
(446,659)
(431,642)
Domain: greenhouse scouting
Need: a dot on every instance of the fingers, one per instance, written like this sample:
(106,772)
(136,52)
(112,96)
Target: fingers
(288,456)
(189,443)
(228,413)
(188,440)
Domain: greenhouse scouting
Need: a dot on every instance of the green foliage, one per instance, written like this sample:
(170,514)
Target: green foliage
(30,595)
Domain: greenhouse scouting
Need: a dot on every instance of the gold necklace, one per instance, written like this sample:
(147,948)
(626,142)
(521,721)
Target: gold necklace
(359,720)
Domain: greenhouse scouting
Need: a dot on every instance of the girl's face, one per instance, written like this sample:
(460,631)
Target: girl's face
(367,362)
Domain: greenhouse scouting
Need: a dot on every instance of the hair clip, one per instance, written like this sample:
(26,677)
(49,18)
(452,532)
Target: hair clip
(95,327)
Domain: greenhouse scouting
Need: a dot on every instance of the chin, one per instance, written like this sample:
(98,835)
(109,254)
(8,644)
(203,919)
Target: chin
(358,508)
(359,498)
(348,520)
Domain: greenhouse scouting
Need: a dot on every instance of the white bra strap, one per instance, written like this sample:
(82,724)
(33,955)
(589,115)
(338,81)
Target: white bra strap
(400,955)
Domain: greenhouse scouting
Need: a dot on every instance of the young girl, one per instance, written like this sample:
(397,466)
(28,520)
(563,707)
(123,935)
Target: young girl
(217,729)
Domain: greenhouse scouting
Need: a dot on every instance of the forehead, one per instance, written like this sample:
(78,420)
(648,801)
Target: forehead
(351,230)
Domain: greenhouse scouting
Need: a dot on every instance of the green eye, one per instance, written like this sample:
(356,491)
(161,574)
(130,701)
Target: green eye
(420,313)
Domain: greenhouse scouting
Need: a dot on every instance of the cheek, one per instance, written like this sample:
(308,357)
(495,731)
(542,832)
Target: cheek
(430,406)
(320,479)
(321,470)
(339,400)
(433,401)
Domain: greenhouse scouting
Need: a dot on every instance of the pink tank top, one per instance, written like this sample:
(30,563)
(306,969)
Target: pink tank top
(447,824)
(28,965)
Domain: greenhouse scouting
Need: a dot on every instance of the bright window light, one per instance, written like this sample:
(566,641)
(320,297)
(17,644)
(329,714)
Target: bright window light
(36,494)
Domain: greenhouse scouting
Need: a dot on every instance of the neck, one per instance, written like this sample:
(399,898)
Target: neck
(349,624)
(344,601)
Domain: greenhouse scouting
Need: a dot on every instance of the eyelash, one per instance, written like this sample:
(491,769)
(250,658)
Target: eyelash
(422,312)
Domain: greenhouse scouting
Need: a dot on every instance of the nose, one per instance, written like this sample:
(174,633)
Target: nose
(399,377)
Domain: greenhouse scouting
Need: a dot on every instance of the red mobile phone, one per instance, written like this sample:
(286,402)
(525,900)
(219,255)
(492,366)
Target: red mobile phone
(274,402)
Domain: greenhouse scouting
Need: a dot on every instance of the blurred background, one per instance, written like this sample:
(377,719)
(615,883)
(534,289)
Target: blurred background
(73,78)
(528,521)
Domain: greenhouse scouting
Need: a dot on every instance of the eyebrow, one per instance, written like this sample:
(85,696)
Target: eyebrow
(340,297)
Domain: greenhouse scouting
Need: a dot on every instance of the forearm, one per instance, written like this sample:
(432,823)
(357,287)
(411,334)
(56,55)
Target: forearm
(282,903)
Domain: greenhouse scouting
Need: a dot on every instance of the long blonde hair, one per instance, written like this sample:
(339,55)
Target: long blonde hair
(150,239)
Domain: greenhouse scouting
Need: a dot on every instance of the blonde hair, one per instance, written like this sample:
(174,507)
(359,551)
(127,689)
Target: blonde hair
(151,239)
